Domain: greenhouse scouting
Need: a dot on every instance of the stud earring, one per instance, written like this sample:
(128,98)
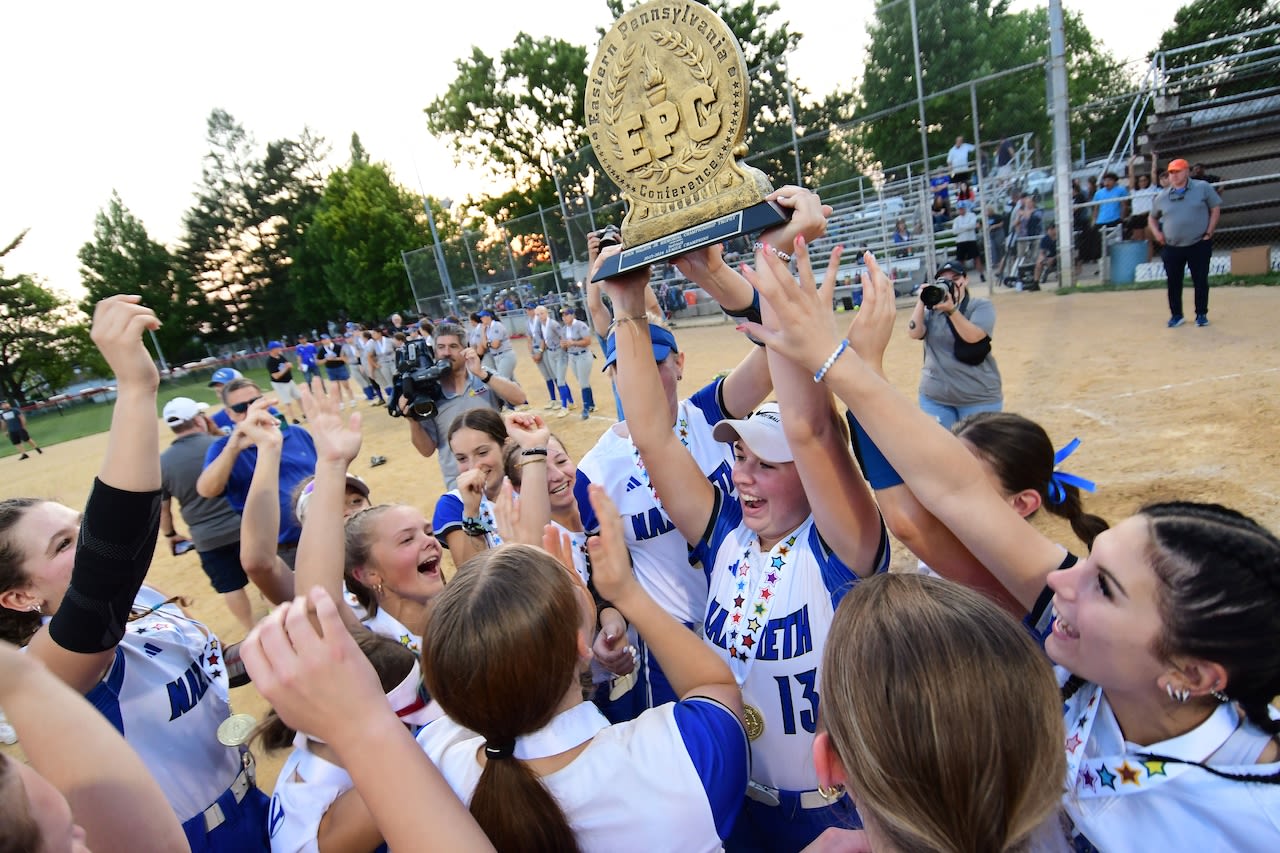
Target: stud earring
(378,589)
(1219,695)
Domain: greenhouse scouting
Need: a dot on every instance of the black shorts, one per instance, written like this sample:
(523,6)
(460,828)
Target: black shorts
(968,250)
(222,565)
(19,436)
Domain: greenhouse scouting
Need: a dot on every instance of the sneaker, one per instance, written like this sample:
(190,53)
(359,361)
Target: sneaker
(1175,322)
(1202,320)
(375,461)
(24,456)
(41,452)
(563,413)
(552,406)
(586,413)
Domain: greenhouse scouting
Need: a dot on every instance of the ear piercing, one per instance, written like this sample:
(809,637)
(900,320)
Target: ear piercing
(1177,694)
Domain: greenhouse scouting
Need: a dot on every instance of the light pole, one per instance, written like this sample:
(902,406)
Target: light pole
(438,251)
(930,261)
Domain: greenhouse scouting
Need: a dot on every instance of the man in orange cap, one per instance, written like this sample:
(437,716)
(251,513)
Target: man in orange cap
(1183,218)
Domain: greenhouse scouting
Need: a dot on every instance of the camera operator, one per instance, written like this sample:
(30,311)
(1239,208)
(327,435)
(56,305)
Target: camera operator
(467,385)
(960,376)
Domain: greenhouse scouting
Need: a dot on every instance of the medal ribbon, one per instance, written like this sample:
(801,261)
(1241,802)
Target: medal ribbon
(750,613)
(1129,772)
(681,430)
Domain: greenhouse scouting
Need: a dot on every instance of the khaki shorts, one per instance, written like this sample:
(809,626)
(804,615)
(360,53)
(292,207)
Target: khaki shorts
(286,392)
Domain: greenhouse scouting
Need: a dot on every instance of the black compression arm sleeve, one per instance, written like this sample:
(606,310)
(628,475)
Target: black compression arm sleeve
(117,540)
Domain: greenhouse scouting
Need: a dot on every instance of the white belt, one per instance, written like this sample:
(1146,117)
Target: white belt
(769,796)
(213,816)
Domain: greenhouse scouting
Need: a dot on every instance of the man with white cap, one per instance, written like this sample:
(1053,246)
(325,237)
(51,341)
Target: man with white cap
(214,526)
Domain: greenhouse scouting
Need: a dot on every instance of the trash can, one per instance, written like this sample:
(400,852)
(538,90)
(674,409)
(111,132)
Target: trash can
(1125,257)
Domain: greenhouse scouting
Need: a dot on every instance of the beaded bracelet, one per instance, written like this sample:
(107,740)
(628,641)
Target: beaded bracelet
(831,359)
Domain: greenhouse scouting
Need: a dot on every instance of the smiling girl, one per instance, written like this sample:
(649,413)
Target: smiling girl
(463,518)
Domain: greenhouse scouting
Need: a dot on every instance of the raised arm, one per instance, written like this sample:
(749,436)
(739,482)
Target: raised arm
(319,682)
(504,388)
(945,477)
(843,509)
(260,520)
(322,548)
(118,531)
(529,433)
(692,666)
(71,744)
(686,495)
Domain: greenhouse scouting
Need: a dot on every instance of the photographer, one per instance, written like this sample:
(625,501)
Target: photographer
(960,376)
(467,385)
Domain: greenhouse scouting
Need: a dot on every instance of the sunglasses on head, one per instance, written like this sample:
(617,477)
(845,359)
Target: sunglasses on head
(241,408)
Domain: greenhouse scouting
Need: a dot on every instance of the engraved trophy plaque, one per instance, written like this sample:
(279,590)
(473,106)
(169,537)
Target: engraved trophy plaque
(665,109)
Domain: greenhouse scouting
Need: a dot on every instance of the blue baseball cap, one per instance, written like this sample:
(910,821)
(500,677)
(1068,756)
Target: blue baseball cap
(274,345)
(223,375)
(664,343)
(488,314)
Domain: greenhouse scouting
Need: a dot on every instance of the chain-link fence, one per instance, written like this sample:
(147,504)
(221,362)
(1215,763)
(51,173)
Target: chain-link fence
(1217,105)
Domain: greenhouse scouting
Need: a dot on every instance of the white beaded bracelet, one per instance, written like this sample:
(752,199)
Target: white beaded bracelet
(831,359)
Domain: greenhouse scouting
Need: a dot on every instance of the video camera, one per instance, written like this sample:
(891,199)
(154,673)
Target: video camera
(933,294)
(417,379)
(609,236)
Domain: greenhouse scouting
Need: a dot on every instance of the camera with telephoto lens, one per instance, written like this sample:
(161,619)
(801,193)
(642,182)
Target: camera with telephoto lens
(417,379)
(932,294)
(609,236)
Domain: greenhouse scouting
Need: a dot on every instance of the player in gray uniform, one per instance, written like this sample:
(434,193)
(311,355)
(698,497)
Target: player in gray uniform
(552,337)
(575,341)
(538,351)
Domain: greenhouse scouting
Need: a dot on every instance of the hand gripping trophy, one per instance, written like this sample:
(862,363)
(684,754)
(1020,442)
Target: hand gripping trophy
(665,107)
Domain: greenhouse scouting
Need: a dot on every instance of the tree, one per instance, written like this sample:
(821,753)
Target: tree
(1205,20)
(352,248)
(41,341)
(122,258)
(961,41)
(516,115)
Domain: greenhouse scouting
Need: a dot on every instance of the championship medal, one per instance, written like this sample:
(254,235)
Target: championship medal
(235,730)
(753,720)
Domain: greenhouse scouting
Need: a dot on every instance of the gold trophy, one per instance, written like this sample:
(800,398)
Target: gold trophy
(665,108)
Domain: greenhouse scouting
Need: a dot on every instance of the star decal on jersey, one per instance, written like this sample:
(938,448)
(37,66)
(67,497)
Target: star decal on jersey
(1154,768)
(777,562)
(1128,775)
(1107,778)
(1087,777)
(1073,743)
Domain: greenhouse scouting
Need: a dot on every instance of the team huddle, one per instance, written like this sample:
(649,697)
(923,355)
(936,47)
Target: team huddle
(688,639)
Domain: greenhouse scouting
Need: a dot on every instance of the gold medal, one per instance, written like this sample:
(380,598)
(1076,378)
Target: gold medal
(235,730)
(753,720)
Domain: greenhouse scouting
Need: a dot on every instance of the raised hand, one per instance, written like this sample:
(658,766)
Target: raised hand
(471,359)
(804,329)
(335,440)
(701,264)
(872,324)
(471,489)
(611,647)
(527,429)
(318,681)
(118,325)
(506,515)
(808,217)
(259,427)
(626,290)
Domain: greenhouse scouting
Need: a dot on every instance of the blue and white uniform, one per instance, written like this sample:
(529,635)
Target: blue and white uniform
(670,779)
(166,692)
(450,512)
(768,615)
(306,788)
(1122,796)
(659,553)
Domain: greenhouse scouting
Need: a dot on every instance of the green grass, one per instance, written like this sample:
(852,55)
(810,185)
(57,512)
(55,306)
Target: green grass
(1267,280)
(88,418)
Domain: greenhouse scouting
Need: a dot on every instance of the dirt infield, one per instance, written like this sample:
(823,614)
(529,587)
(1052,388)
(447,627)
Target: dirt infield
(1189,413)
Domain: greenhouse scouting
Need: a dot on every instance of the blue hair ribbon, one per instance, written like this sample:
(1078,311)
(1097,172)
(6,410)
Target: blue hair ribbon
(1061,479)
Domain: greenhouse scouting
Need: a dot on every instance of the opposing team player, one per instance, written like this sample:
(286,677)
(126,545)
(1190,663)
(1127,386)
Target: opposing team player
(159,676)
(779,554)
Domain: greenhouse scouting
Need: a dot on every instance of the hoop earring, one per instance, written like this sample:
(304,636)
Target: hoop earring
(834,792)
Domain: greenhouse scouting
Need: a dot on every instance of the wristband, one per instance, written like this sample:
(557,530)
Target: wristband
(488,374)
(751,313)
(831,359)
(474,527)
(534,451)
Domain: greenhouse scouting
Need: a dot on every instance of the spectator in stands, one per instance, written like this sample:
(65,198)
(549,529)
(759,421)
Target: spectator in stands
(965,227)
(1183,219)
(1198,173)
(940,185)
(901,239)
(1048,257)
(1142,195)
(958,160)
(1111,212)
(941,215)
(1004,156)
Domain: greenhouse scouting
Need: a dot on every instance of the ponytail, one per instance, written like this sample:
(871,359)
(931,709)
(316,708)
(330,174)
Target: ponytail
(1085,525)
(507,793)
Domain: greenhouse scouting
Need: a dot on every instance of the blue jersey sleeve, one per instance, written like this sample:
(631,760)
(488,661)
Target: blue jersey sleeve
(447,517)
(837,577)
(585,510)
(717,745)
(707,400)
(726,516)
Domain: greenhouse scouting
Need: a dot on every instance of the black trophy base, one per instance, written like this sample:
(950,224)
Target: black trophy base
(758,217)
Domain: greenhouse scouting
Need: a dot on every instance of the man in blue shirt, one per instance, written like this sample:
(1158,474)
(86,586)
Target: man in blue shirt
(1112,211)
(230,461)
